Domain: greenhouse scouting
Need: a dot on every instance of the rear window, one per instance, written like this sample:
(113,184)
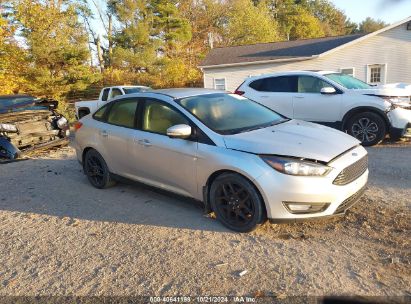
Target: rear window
(286,84)
(105,94)
(136,90)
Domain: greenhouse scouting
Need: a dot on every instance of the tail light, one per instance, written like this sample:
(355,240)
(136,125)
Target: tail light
(238,91)
(77,125)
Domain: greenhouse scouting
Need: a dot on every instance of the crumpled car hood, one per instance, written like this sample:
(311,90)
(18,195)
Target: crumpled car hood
(401,85)
(294,138)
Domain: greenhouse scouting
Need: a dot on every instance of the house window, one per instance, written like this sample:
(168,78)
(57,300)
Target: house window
(376,73)
(219,84)
(348,71)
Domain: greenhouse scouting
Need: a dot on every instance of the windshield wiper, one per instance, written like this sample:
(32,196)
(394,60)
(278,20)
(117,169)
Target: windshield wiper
(258,127)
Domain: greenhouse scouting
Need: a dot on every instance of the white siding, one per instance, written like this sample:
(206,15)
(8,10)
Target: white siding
(392,48)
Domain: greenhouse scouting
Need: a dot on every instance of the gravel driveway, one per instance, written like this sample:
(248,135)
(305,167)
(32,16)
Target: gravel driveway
(60,236)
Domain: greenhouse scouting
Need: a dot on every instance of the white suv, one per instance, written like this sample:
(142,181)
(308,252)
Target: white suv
(334,99)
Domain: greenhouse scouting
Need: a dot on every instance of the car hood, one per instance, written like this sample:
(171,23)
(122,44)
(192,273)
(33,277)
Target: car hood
(294,138)
(384,91)
(402,86)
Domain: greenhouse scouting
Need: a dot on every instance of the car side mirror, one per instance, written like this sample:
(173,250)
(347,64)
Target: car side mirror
(179,131)
(328,90)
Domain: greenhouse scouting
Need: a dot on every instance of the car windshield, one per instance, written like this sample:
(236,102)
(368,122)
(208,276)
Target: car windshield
(132,90)
(229,113)
(9,102)
(348,81)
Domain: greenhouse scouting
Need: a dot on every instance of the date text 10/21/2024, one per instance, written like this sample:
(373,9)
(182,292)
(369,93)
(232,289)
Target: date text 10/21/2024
(203,299)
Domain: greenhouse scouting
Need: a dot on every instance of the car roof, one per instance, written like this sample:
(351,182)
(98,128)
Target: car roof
(130,86)
(186,92)
(290,73)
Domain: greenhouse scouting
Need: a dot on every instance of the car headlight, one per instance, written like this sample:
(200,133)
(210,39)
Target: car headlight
(398,102)
(62,122)
(8,128)
(297,167)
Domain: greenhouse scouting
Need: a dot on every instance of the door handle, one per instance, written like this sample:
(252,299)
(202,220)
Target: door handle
(144,142)
(299,97)
(264,96)
(104,133)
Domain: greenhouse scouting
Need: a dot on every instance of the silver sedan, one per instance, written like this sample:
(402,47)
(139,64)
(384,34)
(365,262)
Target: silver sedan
(246,162)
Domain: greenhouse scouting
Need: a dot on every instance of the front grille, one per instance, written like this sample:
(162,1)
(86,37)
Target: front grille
(349,202)
(352,172)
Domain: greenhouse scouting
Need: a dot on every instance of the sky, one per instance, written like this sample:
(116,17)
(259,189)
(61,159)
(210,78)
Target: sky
(358,10)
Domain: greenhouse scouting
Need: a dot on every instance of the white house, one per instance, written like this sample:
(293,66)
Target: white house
(377,58)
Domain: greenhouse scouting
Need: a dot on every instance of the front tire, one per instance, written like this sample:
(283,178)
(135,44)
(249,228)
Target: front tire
(96,170)
(236,203)
(367,127)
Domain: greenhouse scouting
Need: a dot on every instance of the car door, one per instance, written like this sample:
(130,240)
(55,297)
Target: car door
(275,93)
(116,135)
(309,104)
(165,162)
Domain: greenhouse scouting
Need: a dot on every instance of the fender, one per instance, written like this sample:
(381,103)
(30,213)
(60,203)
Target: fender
(7,149)
(364,109)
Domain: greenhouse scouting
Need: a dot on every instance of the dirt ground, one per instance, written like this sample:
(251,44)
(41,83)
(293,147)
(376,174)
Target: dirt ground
(60,236)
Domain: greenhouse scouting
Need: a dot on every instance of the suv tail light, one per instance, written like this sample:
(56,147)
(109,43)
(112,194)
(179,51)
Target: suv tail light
(238,91)
(77,125)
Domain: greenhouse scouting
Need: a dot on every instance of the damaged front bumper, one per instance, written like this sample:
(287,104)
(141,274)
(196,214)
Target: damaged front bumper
(400,120)
(29,130)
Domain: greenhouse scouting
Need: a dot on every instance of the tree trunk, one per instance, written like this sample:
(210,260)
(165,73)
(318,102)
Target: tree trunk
(100,54)
(110,38)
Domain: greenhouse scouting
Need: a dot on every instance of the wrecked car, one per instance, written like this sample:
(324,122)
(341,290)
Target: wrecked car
(28,123)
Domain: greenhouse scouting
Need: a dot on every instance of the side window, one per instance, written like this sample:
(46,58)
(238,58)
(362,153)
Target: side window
(122,113)
(256,84)
(105,94)
(115,92)
(158,117)
(309,84)
(99,115)
(284,84)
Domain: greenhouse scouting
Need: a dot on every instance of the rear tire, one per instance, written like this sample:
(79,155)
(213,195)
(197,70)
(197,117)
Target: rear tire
(236,203)
(96,170)
(367,127)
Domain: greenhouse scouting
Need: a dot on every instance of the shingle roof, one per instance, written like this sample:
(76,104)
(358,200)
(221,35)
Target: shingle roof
(275,50)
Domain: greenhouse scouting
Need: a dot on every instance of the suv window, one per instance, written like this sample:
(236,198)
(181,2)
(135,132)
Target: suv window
(285,84)
(122,113)
(105,94)
(158,117)
(309,84)
(115,92)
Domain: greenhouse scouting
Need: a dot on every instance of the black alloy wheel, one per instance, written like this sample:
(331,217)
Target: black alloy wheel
(96,170)
(236,203)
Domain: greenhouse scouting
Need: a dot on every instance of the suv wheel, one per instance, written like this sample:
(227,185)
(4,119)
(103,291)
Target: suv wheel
(96,170)
(236,203)
(367,127)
